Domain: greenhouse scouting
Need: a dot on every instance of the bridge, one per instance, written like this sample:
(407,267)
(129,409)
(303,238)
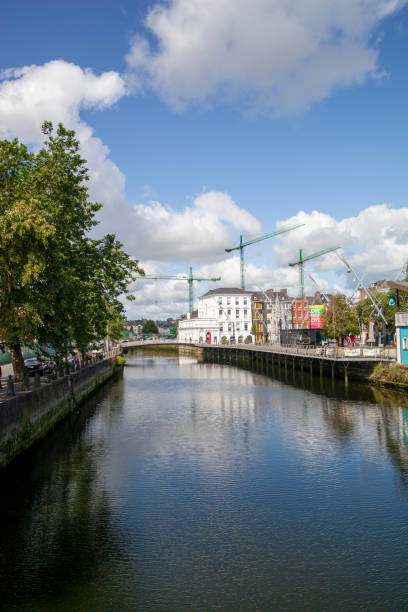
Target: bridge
(338,362)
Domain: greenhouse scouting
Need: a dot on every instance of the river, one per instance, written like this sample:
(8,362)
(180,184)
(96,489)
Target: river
(192,487)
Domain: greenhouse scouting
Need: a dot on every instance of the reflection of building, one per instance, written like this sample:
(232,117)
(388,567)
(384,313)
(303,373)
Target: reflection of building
(224,315)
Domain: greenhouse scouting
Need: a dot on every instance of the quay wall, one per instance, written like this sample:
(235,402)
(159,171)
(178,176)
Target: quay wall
(345,369)
(29,416)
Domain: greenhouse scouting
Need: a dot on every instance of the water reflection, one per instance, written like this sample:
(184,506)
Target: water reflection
(193,486)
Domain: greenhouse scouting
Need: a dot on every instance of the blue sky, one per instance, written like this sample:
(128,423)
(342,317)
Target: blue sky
(202,120)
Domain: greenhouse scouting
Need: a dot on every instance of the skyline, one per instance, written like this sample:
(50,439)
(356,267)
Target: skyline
(199,125)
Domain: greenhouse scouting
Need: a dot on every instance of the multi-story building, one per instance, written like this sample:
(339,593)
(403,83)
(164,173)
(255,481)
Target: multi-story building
(300,313)
(380,286)
(224,316)
(259,317)
(301,310)
(279,313)
(271,313)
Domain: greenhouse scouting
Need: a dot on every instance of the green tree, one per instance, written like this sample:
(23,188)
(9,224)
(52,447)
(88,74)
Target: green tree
(149,327)
(58,286)
(366,312)
(340,318)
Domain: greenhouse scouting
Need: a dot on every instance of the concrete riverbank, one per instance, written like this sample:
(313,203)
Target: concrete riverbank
(29,416)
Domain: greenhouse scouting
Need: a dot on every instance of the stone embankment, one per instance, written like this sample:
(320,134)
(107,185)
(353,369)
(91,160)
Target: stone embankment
(30,415)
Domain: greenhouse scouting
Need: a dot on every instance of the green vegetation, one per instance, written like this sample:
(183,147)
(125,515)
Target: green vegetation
(120,360)
(364,309)
(396,374)
(58,286)
(149,327)
(340,318)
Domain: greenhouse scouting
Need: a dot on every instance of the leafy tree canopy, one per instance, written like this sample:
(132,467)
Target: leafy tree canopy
(149,327)
(58,286)
(340,317)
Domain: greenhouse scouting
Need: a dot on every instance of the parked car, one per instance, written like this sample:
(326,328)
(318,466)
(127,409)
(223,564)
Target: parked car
(33,365)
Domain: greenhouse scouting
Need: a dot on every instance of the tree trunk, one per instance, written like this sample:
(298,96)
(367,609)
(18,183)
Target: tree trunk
(17,361)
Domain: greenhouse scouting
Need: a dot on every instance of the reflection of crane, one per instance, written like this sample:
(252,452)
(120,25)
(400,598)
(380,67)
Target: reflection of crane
(190,278)
(242,245)
(301,262)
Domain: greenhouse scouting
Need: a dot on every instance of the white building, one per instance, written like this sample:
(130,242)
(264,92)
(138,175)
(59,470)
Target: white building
(279,313)
(224,316)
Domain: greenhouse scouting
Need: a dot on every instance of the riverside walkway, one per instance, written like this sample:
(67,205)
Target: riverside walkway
(355,363)
(330,353)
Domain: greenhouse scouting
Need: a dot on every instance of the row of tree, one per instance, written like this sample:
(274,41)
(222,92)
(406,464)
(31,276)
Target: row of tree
(343,318)
(59,287)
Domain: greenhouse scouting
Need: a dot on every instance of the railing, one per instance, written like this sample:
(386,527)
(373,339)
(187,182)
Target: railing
(10,387)
(356,353)
(336,352)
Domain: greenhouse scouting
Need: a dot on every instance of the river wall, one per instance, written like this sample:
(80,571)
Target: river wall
(29,416)
(270,361)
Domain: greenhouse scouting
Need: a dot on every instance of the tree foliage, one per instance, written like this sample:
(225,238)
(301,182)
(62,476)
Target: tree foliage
(149,327)
(58,286)
(367,313)
(340,318)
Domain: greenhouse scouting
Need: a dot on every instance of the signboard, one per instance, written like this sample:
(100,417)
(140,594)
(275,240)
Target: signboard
(316,314)
(371,352)
(352,352)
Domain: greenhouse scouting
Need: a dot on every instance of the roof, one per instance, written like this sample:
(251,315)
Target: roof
(228,291)
(401,285)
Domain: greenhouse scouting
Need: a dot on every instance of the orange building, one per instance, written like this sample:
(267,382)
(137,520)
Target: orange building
(300,313)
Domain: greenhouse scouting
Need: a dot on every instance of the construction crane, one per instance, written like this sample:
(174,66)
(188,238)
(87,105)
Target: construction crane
(242,246)
(190,278)
(301,261)
(376,307)
(321,291)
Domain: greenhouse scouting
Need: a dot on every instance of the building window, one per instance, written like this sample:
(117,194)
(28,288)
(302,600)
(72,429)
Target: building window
(228,301)
(405,344)
(236,301)
(246,326)
(237,313)
(245,311)
(229,311)
(229,327)
(220,312)
(245,301)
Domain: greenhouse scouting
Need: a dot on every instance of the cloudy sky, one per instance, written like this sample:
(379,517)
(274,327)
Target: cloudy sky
(205,119)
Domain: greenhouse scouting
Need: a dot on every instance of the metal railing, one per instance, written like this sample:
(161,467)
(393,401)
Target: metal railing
(331,352)
(9,385)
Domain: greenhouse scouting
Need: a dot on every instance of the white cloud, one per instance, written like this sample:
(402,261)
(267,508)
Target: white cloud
(278,55)
(374,241)
(58,91)
(199,233)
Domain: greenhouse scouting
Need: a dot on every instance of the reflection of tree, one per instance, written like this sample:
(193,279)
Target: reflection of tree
(393,428)
(57,527)
(339,415)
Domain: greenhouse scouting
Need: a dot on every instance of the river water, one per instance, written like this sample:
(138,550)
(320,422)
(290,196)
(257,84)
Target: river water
(197,487)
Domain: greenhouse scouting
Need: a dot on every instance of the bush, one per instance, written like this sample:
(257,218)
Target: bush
(120,360)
